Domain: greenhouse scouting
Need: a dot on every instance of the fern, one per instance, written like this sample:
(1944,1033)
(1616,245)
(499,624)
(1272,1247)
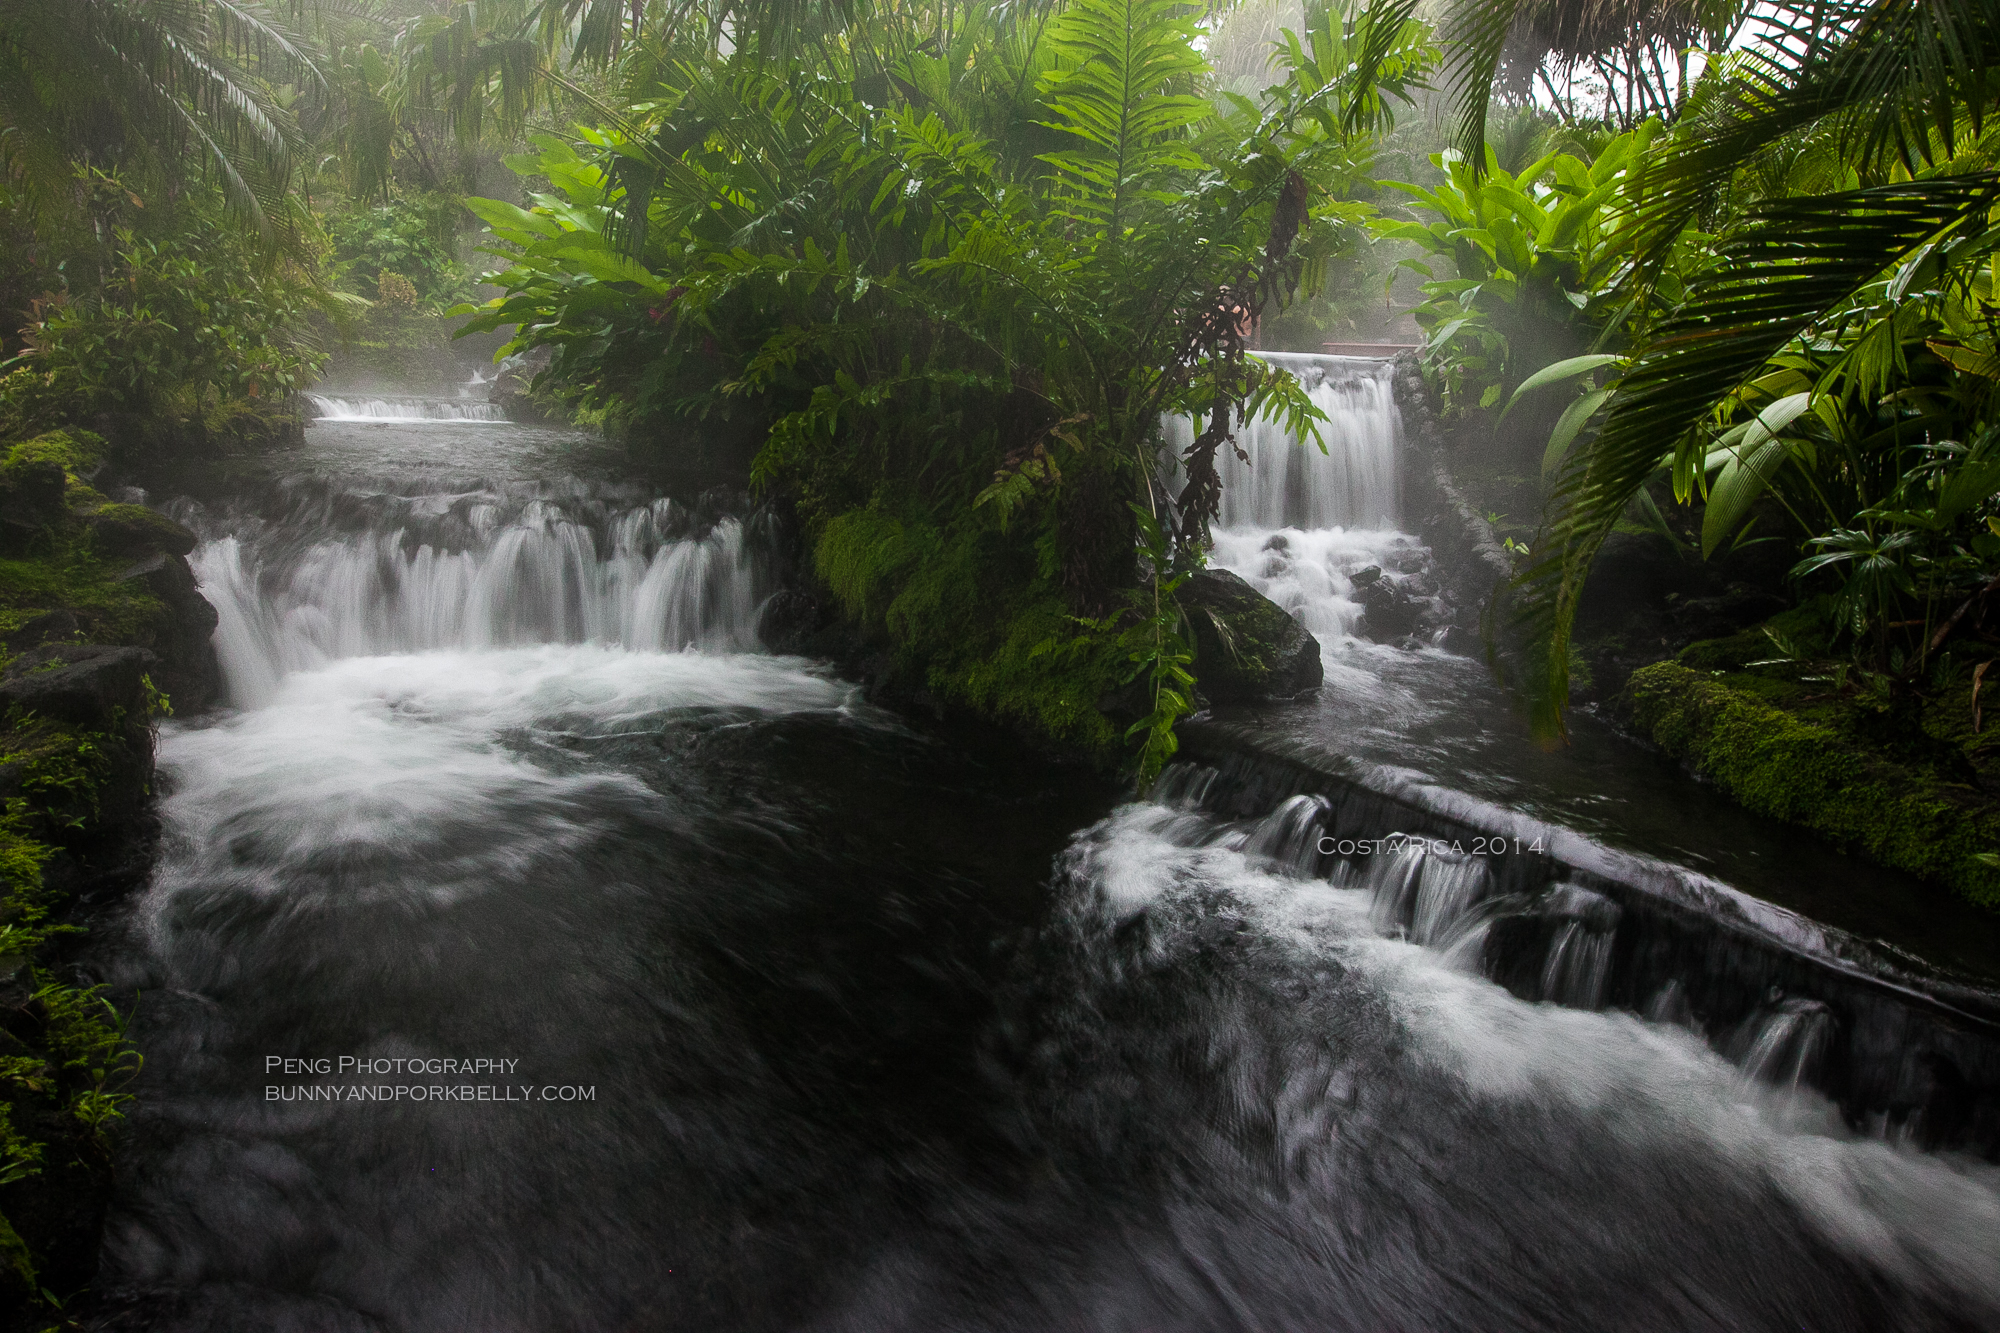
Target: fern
(1117,92)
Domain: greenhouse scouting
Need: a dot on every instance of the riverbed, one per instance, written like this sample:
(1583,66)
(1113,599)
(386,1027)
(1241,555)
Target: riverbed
(768,1009)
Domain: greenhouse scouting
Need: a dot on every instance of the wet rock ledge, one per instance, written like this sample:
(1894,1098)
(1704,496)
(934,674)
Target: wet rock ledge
(1903,1053)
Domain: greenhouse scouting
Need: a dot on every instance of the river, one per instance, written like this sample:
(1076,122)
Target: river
(792,1014)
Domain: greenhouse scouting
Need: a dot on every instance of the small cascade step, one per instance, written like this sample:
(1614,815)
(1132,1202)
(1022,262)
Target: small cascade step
(403,411)
(1556,918)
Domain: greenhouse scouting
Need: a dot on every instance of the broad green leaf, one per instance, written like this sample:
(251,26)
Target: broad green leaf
(497,213)
(1743,479)
(1568,369)
(1568,425)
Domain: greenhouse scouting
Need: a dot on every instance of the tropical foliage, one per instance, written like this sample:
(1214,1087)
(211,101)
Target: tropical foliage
(174,89)
(1828,361)
(956,275)
(1510,262)
(178,330)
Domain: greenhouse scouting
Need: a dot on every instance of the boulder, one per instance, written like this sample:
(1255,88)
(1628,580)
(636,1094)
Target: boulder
(48,627)
(1389,612)
(1247,648)
(187,672)
(131,531)
(789,620)
(85,685)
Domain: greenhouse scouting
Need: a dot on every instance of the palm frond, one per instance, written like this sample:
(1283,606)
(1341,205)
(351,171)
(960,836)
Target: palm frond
(1791,266)
(1901,86)
(1125,90)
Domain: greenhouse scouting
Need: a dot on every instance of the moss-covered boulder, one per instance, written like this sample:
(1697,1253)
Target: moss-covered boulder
(1247,647)
(131,531)
(36,477)
(1806,773)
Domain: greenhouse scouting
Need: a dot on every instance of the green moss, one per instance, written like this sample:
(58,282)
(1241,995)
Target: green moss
(1809,774)
(966,614)
(74,451)
(127,531)
(865,555)
(1803,630)
(108,609)
(61,767)
(1044,675)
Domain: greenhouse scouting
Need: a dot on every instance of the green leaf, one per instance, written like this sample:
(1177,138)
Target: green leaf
(1561,371)
(1744,478)
(499,214)
(1568,425)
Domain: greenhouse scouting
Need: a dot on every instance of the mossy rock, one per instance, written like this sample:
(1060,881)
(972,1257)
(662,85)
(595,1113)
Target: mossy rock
(1247,647)
(1809,774)
(76,451)
(40,481)
(1803,627)
(133,530)
(962,614)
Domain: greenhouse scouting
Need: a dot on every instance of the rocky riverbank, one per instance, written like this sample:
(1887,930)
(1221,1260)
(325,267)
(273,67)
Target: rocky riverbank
(102,631)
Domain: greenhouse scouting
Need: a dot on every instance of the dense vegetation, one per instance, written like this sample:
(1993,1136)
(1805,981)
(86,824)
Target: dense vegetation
(1722,273)
(1781,312)
(955,268)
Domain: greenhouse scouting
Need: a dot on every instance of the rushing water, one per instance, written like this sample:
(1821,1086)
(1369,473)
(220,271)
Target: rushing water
(469,404)
(817,1022)
(1419,712)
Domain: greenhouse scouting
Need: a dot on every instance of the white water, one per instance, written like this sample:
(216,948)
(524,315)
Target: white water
(1299,523)
(435,827)
(383,761)
(403,411)
(475,570)
(1931,1221)
(1289,484)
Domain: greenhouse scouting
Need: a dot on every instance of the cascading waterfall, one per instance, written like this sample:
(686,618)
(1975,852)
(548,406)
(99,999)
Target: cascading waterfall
(1292,484)
(507,967)
(403,411)
(1312,528)
(492,566)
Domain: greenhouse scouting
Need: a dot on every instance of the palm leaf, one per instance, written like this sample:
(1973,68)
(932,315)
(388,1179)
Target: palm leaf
(1899,87)
(1792,264)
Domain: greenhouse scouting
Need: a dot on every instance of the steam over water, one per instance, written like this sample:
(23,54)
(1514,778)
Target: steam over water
(878,1034)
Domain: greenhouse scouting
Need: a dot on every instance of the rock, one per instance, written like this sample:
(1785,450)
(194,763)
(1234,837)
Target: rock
(31,497)
(86,685)
(48,627)
(35,479)
(1463,642)
(512,390)
(1361,578)
(79,715)
(1247,647)
(1389,612)
(188,672)
(789,620)
(131,531)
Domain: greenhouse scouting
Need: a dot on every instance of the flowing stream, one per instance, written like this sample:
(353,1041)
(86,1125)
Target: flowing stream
(767,1011)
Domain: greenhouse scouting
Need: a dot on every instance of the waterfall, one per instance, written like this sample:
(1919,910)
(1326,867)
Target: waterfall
(1315,530)
(489,567)
(1785,1045)
(1290,483)
(404,411)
